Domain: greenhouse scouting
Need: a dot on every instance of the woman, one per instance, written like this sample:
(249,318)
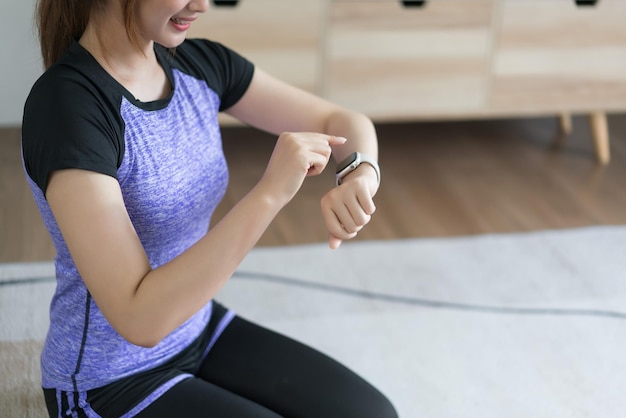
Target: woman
(123,153)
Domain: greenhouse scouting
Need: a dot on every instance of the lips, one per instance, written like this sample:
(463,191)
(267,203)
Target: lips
(182,23)
(182,20)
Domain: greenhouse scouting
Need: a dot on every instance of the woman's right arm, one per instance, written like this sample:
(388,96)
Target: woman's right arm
(145,305)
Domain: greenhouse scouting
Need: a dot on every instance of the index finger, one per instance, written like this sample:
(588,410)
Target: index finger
(336,140)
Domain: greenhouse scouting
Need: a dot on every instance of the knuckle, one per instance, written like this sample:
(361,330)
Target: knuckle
(326,201)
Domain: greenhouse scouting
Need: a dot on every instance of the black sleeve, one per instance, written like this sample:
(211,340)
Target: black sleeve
(68,124)
(226,72)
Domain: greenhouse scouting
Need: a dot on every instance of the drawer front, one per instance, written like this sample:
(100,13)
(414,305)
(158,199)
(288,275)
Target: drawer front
(552,55)
(280,36)
(395,62)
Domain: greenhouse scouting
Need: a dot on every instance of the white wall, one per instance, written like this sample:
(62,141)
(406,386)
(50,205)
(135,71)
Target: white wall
(20,62)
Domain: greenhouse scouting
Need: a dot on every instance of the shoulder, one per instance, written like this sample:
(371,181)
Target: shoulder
(71,115)
(204,48)
(59,88)
(74,90)
(227,72)
(75,85)
(203,57)
(67,104)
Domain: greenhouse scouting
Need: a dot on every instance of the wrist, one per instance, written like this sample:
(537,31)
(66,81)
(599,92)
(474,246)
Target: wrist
(363,170)
(356,161)
(268,198)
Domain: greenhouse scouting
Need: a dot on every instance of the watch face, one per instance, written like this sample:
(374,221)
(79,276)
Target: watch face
(347,162)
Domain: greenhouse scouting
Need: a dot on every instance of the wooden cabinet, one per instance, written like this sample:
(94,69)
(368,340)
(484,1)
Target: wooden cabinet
(552,55)
(396,62)
(448,59)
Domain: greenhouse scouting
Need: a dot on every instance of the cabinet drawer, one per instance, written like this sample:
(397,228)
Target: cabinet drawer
(280,36)
(395,62)
(552,55)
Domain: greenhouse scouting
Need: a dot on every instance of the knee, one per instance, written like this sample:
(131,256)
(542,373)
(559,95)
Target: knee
(376,406)
(383,408)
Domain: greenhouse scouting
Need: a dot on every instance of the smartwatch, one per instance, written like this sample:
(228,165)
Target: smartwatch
(350,164)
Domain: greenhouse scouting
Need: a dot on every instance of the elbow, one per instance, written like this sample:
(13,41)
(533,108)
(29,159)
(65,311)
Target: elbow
(146,337)
(137,325)
(143,342)
(343,117)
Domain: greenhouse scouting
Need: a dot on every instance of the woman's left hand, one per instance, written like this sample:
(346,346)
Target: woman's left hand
(347,208)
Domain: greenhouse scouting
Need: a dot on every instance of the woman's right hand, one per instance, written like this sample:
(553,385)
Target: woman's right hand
(296,156)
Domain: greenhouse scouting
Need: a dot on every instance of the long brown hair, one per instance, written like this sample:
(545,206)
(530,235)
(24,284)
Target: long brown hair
(61,21)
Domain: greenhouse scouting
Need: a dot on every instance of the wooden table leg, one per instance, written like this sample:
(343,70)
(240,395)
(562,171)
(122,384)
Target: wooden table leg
(565,129)
(565,123)
(600,135)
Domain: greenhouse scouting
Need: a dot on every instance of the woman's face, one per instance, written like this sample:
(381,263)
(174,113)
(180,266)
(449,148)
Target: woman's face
(166,21)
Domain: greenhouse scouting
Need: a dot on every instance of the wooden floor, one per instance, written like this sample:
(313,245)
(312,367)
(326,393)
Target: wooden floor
(439,179)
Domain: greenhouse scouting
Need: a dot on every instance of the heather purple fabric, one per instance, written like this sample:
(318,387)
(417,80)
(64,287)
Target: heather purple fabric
(172,175)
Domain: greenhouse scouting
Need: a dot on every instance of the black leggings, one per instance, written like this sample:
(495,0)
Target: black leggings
(254,372)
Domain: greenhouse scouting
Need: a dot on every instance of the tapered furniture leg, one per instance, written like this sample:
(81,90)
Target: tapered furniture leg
(565,129)
(600,135)
(565,123)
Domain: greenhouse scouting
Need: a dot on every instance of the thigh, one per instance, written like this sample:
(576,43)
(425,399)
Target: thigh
(196,398)
(289,377)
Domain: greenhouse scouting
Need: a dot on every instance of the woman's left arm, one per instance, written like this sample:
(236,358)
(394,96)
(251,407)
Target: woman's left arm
(274,106)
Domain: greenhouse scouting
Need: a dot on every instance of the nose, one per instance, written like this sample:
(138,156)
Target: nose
(199,6)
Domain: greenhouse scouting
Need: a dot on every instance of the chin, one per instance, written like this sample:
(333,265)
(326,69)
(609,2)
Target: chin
(171,41)
(170,44)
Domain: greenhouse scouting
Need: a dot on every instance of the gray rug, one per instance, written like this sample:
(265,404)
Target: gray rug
(514,325)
